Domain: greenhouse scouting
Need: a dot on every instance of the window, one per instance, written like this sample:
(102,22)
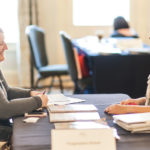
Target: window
(99,12)
(9,20)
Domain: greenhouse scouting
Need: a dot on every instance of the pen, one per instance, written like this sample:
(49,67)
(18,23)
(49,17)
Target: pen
(44,92)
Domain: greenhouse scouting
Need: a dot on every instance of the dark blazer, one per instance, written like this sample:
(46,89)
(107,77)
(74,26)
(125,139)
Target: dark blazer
(117,34)
(14,102)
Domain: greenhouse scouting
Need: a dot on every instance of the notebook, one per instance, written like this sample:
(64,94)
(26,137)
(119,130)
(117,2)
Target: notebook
(136,123)
(133,118)
(99,124)
(78,116)
(72,108)
(80,125)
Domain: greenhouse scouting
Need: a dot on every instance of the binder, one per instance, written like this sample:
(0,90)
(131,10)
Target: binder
(139,122)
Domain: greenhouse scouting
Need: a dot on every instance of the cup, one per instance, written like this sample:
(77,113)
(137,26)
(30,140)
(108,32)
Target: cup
(100,34)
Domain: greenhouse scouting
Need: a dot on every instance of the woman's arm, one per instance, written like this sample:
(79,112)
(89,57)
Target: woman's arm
(13,92)
(17,107)
(124,109)
(137,101)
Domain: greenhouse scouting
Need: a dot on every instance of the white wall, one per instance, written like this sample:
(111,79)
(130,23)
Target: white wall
(56,15)
(140,18)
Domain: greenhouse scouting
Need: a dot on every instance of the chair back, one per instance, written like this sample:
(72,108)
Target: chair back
(36,37)
(69,54)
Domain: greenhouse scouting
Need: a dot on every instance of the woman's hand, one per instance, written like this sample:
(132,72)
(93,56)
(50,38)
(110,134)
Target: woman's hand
(44,99)
(116,109)
(138,101)
(129,102)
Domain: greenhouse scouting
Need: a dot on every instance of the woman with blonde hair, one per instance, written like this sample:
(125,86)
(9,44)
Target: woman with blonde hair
(15,101)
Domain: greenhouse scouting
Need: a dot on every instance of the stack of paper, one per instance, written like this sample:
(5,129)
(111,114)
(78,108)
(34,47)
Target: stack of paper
(60,112)
(71,113)
(136,123)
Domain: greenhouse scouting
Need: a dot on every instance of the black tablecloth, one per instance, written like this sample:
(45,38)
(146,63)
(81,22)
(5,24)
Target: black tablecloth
(37,136)
(120,74)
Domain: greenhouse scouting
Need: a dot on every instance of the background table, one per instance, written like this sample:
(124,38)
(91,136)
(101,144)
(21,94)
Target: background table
(114,70)
(120,74)
(37,136)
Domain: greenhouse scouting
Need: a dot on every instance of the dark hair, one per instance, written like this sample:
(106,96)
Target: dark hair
(120,23)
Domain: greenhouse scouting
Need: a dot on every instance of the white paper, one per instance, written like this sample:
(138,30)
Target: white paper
(60,99)
(31,120)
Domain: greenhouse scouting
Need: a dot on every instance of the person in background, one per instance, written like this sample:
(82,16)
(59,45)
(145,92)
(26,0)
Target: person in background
(139,105)
(122,28)
(15,101)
